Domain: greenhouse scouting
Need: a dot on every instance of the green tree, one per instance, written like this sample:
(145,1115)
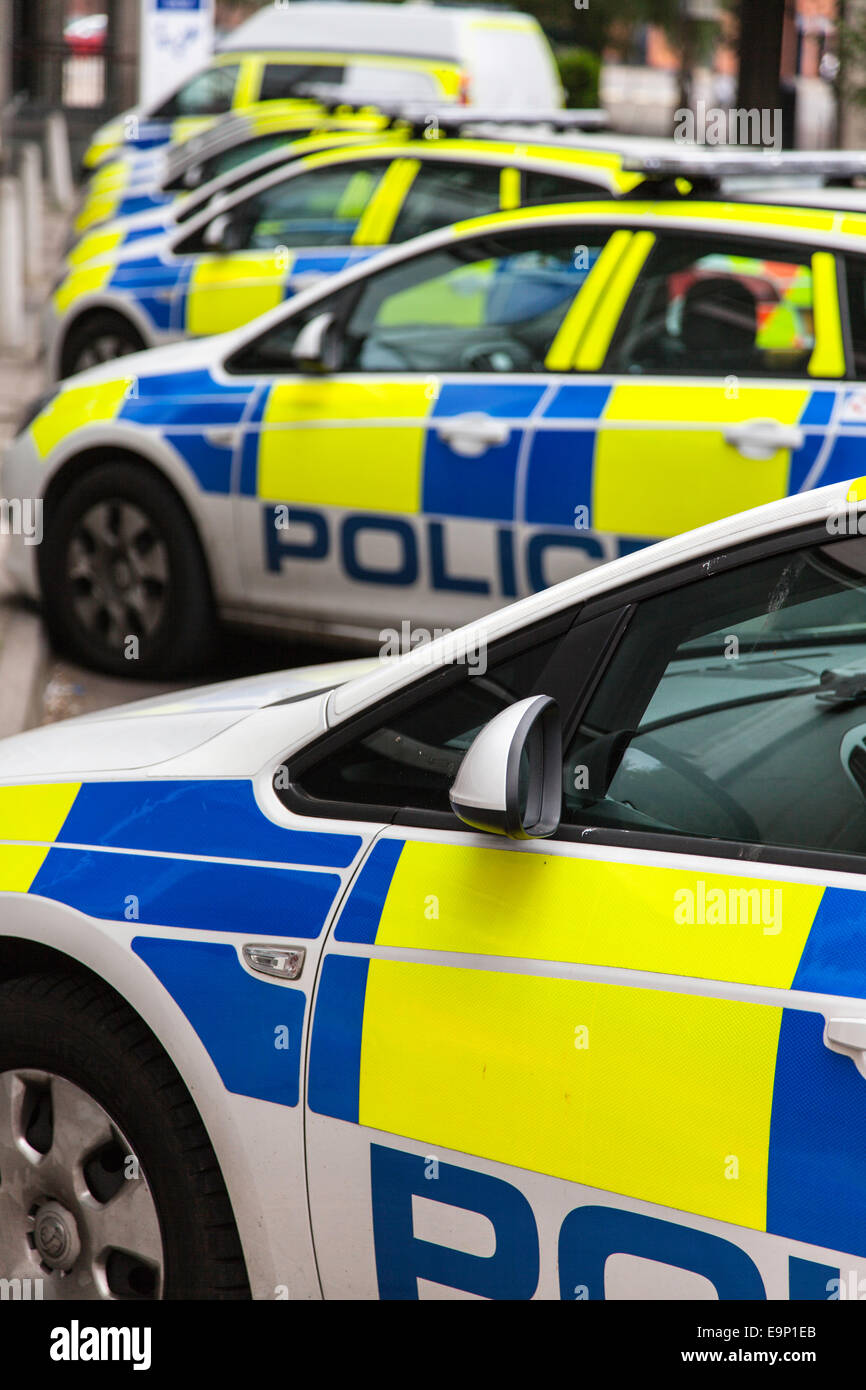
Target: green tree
(591,23)
(760,47)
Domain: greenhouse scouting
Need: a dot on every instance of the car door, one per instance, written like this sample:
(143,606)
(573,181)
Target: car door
(402,472)
(626,1061)
(719,363)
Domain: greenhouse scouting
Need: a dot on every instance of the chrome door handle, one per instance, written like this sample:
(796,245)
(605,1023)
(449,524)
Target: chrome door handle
(848,1037)
(472,434)
(761,439)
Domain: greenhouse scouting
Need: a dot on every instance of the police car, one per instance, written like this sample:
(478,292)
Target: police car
(151,222)
(307,217)
(126,188)
(135,196)
(531,964)
(236,81)
(427,53)
(468,418)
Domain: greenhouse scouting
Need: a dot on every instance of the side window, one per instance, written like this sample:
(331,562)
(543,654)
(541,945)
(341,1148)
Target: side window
(281,80)
(364,81)
(321,208)
(272,352)
(540,187)
(491,305)
(444,192)
(855,274)
(410,759)
(705,309)
(735,709)
(209,93)
(226,160)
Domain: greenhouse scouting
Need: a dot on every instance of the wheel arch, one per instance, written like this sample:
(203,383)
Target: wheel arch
(68,473)
(38,936)
(88,307)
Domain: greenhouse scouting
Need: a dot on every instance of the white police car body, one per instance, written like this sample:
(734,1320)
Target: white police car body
(251,246)
(519,397)
(273,1018)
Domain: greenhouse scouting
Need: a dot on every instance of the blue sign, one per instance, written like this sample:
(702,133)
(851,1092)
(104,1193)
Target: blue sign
(180,4)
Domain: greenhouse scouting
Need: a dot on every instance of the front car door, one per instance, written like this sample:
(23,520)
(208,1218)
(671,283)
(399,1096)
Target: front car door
(390,486)
(274,240)
(629,1061)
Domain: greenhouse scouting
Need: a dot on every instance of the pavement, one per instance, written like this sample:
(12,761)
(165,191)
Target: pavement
(37,685)
(24,652)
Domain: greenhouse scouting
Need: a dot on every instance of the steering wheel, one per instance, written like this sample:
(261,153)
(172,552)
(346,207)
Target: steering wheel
(680,766)
(479,356)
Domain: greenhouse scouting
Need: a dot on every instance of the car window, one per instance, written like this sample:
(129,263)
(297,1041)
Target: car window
(735,709)
(320,208)
(474,314)
(703,309)
(855,275)
(410,760)
(209,93)
(281,80)
(541,187)
(487,305)
(272,351)
(226,160)
(446,192)
(364,82)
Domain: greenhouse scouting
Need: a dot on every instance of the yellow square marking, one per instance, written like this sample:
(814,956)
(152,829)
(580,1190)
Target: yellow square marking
(667,1099)
(508,903)
(76,407)
(30,813)
(227,291)
(659,480)
(86,280)
(347,460)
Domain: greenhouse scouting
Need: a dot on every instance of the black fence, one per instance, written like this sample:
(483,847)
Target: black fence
(88,76)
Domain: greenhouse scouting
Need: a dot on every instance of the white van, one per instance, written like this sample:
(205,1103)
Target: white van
(496,58)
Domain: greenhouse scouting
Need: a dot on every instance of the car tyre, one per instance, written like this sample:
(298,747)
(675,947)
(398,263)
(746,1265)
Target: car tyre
(96,338)
(89,1100)
(120,560)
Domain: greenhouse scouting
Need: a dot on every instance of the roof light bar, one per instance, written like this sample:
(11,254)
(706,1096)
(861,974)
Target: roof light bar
(419,112)
(725,162)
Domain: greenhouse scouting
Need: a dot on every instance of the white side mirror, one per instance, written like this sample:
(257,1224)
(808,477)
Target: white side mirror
(510,781)
(215,232)
(316,347)
(192,177)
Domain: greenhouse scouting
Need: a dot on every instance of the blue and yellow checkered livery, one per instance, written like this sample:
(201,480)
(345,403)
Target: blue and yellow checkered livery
(723,1103)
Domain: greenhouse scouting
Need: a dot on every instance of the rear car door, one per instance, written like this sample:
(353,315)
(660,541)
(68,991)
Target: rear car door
(722,364)
(627,1062)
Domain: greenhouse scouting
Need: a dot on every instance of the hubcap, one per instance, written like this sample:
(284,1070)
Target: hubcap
(102,349)
(76,1211)
(55,1236)
(118,572)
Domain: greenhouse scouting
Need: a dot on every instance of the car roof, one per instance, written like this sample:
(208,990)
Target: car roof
(777,220)
(700,544)
(410,30)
